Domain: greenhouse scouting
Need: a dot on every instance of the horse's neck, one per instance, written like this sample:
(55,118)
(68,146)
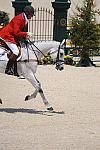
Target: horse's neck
(39,48)
(45,47)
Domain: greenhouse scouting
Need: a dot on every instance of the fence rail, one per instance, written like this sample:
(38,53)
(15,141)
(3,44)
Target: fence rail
(41,25)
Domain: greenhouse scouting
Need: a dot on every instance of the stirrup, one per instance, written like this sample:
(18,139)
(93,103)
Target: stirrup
(9,72)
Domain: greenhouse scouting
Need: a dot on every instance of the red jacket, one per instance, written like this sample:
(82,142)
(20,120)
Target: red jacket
(13,30)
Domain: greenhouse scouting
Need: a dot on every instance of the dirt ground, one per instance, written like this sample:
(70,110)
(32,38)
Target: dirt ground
(74,93)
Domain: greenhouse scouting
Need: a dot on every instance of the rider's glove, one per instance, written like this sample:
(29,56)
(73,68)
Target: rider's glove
(29,34)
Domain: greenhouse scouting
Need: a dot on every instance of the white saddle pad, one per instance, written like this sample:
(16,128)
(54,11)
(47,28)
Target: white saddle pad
(3,55)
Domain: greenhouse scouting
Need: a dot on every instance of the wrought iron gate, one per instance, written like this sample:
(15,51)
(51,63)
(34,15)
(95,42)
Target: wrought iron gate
(41,25)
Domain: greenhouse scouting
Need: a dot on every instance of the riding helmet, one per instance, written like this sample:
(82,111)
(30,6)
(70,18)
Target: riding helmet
(29,10)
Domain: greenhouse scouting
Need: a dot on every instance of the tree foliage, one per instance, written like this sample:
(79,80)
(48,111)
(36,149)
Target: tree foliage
(85,33)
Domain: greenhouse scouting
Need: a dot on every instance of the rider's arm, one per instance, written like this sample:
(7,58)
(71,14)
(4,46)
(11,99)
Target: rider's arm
(17,29)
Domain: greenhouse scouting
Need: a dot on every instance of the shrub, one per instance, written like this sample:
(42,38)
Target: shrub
(68,59)
(47,59)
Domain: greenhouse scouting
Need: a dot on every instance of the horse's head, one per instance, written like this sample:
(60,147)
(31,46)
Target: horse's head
(57,55)
(60,59)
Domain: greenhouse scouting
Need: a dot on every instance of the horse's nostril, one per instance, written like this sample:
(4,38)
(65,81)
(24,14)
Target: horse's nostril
(56,67)
(61,68)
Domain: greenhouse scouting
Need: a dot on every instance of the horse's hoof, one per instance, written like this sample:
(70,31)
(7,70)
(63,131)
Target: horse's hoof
(50,108)
(0,101)
(27,97)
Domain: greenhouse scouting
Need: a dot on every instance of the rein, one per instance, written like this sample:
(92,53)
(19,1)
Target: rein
(34,52)
(58,60)
(31,43)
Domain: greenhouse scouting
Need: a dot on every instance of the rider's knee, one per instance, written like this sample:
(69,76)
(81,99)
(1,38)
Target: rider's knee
(13,57)
(13,48)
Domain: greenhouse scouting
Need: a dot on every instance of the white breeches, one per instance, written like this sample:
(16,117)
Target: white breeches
(13,47)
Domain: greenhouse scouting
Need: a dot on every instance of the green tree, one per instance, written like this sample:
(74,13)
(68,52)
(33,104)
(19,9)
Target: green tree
(85,33)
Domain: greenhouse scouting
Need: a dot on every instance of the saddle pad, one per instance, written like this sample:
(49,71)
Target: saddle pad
(3,54)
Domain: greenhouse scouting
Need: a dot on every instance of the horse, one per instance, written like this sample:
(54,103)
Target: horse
(28,62)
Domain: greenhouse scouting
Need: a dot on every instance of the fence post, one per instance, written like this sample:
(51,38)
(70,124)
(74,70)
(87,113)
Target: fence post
(19,6)
(60,19)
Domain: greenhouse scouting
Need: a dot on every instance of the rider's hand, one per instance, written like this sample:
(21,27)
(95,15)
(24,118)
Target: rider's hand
(29,34)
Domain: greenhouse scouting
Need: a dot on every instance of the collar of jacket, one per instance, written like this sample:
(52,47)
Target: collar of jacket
(25,17)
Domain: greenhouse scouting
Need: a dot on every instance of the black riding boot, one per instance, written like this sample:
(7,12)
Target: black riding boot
(15,69)
(9,68)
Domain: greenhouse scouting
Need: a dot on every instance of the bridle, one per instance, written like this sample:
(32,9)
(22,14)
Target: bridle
(58,58)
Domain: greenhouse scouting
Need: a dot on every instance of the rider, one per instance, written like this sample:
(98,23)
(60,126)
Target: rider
(12,33)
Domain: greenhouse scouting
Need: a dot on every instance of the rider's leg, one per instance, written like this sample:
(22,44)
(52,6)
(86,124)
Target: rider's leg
(15,63)
(15,69)
(12,59)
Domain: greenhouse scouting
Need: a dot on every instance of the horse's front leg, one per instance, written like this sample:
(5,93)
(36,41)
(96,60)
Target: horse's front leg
(29,97)
(46,103)
(33,80)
